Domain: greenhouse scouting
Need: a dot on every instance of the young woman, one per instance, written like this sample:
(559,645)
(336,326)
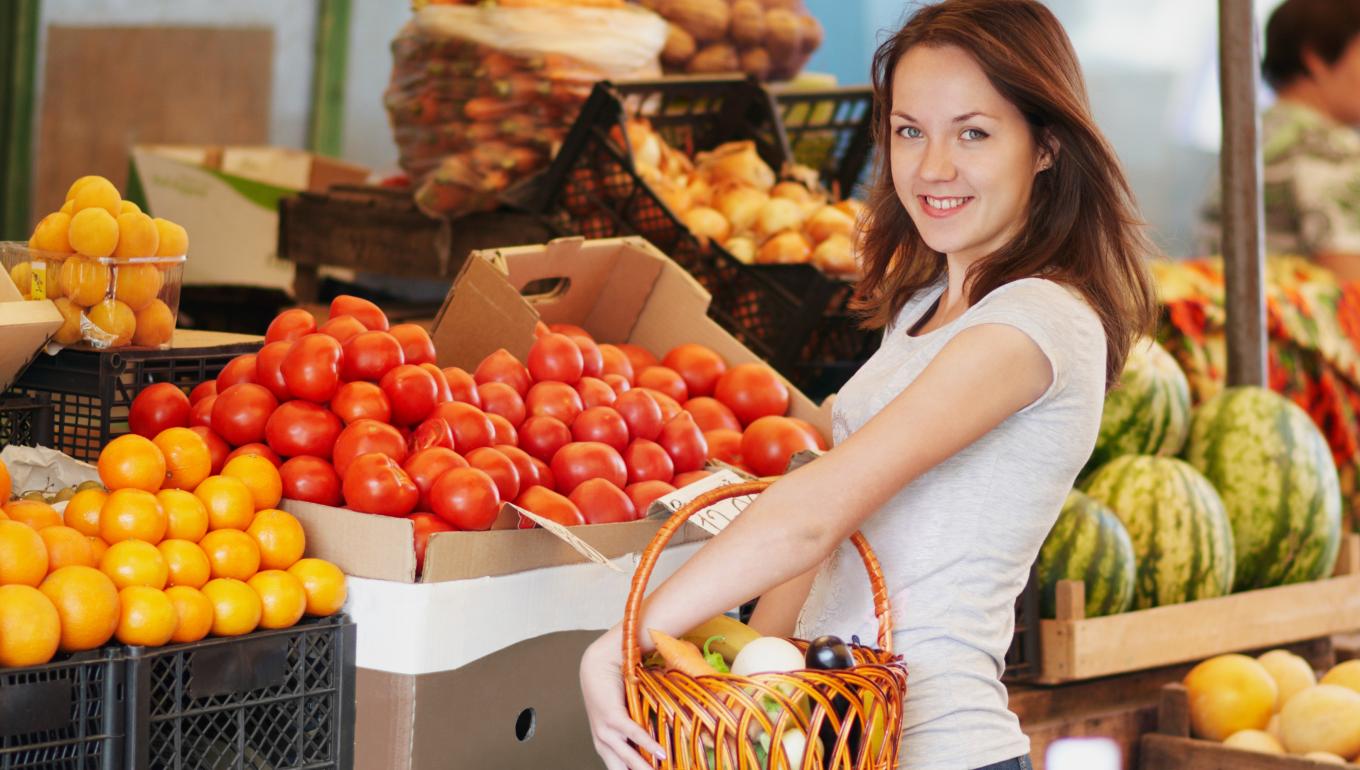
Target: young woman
(1004,259)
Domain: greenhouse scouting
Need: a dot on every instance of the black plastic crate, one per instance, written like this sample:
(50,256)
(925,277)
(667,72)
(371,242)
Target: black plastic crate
(1022,659)
(282,700)
(89,392)
(65,715)
(25,421)
(830,130)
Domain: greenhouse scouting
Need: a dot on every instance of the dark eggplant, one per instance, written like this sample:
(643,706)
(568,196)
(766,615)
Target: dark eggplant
(824,654)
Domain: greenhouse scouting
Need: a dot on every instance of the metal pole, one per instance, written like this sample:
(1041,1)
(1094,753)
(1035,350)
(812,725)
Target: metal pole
(1243,233)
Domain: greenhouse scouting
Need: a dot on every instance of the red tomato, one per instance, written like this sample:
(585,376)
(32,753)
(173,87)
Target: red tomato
(698,365)
(424,525)
(201,413)
(269,368)
(370,355)
(375,483)
(505,433)
(239,369)
(811,431)
(644,493)
(711,414)
(524,464)
(685,479)
(202,390)
(665,380)
(499,398)
(641,412)
(415,343)
(592,362)
(669,406)
(638,356)
(603,503)
(595,392)
(769,442)
(343,329)
(217,448)
(601,424)
(364,436)
(367,313)
(159,406)
(684,442)
(545,474)
(412,392)
(618,383)
(571,330)
(555,358)
(615,361)
(311,480)
(466,498)
(427,465)
(433,432)
(543,436)
(445,393)
(724,444)
(312,368)
(462,386)
(554,399)
(292,324)
(647,461)
(752,391)
(470,426)
(255,449)
(357,400)
(552,506)
(303,428)
(499,467)
(501,366)
(240,412)
(583,460)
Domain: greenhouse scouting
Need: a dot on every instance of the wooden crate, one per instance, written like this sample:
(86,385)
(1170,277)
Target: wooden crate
(1172,748)
(1074,647)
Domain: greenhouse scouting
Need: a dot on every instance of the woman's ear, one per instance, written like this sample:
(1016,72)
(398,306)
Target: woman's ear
(1048,152)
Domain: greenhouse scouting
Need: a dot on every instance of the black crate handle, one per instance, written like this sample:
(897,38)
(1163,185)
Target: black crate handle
(231,669)
(36,707)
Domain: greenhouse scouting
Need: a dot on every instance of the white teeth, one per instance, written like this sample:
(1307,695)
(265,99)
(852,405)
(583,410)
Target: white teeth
(944,203)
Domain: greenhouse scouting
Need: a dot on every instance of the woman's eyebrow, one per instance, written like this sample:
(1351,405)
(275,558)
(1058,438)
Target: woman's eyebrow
(960,119)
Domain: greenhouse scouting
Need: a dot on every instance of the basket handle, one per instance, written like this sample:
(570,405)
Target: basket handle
(632,652)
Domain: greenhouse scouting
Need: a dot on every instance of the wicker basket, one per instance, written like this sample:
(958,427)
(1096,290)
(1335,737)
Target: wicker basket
(717,722)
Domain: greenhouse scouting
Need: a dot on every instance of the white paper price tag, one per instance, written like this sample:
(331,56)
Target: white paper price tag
(714,518)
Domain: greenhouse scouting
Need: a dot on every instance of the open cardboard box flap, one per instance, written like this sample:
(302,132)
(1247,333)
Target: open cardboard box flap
(27,325)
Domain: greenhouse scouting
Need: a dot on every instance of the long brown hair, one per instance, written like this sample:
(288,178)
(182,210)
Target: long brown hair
(1082,228)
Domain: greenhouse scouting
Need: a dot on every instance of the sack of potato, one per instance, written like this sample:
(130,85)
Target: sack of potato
(769,39)
(482,95)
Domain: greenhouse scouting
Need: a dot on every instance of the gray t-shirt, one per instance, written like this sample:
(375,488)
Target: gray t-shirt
(957,543)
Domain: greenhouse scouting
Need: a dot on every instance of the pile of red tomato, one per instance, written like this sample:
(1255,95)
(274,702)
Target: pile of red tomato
(356,413)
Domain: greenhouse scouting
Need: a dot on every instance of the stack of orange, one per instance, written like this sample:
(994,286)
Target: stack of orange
(168,554)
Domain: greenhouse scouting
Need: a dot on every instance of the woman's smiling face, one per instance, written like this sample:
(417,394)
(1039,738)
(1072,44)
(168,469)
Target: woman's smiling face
(963,157)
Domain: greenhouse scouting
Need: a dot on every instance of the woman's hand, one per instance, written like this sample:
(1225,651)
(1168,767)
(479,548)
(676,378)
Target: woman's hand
(610,725)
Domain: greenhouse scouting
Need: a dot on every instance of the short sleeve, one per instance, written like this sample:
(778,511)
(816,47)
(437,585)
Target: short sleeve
(1327,195)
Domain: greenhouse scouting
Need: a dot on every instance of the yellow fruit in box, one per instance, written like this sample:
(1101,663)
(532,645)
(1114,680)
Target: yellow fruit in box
(53,233)
(94,233)
(1325,756)
(155,324)
(1291,673)
(128,207)
(136,285)
(1345,674)
(1322,718)
(69,208)
(138,236)
(115,319)
(22,275)
(1227,694)
(69,332)
(174,239)
(98,193)
(85,281)
(1254,740)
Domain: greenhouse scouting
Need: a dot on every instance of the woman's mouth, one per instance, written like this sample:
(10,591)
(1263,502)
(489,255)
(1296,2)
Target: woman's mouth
(941,207)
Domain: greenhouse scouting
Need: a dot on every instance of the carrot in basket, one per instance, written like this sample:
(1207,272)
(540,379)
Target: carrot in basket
(680,655)
(490,108)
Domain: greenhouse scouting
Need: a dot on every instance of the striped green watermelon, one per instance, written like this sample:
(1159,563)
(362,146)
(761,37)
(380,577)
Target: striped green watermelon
(1149,412)
(1278,481)
(1182,539)
(1088,543)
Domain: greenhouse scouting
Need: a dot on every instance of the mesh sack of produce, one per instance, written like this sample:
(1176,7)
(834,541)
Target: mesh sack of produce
(482,95)
(769,39)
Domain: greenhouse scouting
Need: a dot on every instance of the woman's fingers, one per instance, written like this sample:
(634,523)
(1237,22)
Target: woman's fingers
(621,749)
(641,738)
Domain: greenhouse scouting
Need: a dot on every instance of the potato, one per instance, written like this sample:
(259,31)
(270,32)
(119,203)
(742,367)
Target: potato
(756,63)
(717,57)
(706,20)
(783,35)
(748,23)
(680,46)
(813,34)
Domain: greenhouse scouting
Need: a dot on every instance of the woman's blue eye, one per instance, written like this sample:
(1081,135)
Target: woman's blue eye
(909,132)
(973,134)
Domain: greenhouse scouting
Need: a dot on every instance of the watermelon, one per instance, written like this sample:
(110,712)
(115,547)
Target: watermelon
(1182,539)
(1278,481)
(1088,543)
(1148,413)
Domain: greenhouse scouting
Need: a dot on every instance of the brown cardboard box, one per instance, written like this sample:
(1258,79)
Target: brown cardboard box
(26,325)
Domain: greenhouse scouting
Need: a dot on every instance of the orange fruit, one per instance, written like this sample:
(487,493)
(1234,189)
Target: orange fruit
(155,324)
(84,281)
(132,462)
(96,192)
(30,628)
(6,484)
(137,237)
(81,182)
(195,613)
(230,503)
(69,207)
(97,548)
(280,537)
(135,563)
(82,511)
(34,513)
(232,553)
(23,554)
(260,476)
(186,516)
(128,207)
(138,284)
(65,548)
(147,617)
(324,584)
(188,564)
(116,320)
(132,514)
(236,607)
(69,332)
(53,233)
(87,602)
(187,459)
(282,598)
(174,240)
(93,233)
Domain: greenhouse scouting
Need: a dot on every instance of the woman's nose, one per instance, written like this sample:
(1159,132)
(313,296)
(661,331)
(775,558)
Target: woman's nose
(937,165)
